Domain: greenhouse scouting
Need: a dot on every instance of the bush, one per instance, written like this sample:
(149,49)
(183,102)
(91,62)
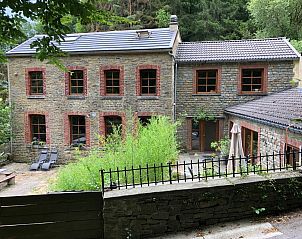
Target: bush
(152,144)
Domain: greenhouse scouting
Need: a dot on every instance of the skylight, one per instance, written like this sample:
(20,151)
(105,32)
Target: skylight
(71,38)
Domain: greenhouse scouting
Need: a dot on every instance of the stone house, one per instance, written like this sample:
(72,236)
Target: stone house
(272,124)
(113,77)
(212,76)
(117,76)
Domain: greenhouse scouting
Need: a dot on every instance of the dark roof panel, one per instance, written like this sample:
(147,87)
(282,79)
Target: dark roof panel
(129,40)
(281,109)
(237,50)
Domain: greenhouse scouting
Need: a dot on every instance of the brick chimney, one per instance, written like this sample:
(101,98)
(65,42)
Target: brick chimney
(173,23)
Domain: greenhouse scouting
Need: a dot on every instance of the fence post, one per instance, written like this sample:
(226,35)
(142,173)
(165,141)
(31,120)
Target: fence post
(170,172)
(294,161)
(103,181)
(233,166)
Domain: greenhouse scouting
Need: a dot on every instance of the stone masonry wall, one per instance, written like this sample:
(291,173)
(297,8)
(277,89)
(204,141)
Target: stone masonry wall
(270,139)
(188,104)
(56,105)
(154,211)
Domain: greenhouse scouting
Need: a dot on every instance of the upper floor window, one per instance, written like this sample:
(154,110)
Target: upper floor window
(76,81)
(76,84)
(148,82)
(112,81)
(253,80)
(38,128)
(36,83)
(206,81)
(77,129)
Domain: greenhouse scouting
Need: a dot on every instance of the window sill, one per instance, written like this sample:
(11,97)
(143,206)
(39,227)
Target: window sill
(252,93)
(36,97)
(146,97)
(112,97)
(207,94)
(76,97)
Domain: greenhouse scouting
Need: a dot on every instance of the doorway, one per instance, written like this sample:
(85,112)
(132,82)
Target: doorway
(203,133)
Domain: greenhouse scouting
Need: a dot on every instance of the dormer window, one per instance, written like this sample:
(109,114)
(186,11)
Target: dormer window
(143,34)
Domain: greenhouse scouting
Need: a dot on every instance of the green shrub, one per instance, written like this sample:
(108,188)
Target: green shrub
(153,144)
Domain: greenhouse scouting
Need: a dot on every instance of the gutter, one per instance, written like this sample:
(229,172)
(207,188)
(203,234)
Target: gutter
(94,52)
(10,114)
(280,126)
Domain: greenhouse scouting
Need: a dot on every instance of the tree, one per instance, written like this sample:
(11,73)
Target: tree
(54,19)
(275,18)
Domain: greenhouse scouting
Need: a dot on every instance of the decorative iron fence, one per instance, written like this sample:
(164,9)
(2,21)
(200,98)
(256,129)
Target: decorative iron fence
(202,169)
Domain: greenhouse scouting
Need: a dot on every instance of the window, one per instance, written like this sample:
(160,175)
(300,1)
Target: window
(111,123)
(36,82)
(206,81)
(253,80)
(292,153)
(76,82)
(144,120)
(148,81)
(38,128)
(250,142)
(77,129)
(112,81)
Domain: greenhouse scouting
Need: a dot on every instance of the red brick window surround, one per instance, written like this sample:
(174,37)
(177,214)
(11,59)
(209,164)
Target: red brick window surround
(36,127)
(76,81)
(252,79)
(76,129)
(206,80)
(109,119)
(148,80)
(35,81)
(112,80)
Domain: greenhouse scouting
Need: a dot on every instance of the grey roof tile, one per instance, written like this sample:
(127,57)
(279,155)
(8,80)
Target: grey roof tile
(236,50)
(280,109)
(127,40)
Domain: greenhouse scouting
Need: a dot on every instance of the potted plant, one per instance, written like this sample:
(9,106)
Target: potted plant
(222,146)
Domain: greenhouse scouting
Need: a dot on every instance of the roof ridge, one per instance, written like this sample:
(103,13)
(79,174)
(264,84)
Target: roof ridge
(240,40)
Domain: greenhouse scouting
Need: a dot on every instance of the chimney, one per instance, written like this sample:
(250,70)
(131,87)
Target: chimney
(173,23)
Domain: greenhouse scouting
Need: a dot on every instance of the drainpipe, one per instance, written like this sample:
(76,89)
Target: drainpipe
(10,114)
(174,85)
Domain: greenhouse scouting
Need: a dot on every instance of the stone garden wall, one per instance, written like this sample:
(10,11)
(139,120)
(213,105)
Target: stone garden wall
(157,210)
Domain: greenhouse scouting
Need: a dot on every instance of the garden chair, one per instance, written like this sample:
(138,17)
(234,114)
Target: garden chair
(52,160)
(42,158)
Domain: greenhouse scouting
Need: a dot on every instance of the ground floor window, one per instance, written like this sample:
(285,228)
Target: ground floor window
(250,142)
(144,120)
(38,128)
(111,123)
(77,130)
(292,155)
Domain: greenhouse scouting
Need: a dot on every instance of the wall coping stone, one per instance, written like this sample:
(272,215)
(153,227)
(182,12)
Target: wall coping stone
(199,185)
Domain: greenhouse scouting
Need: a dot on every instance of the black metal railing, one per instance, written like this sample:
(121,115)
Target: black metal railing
(202,169)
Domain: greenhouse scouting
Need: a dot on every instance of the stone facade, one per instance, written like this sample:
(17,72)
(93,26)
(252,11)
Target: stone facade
(56,105)
(189,103)
(271,140)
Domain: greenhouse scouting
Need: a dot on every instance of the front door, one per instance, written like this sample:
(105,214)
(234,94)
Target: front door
(202,134)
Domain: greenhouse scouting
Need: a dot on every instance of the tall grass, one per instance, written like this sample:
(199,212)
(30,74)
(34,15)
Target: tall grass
(152,144)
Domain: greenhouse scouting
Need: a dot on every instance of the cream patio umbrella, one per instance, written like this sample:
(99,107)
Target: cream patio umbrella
(236,149)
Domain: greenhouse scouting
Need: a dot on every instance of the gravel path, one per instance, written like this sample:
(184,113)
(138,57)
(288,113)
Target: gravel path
(28,182)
